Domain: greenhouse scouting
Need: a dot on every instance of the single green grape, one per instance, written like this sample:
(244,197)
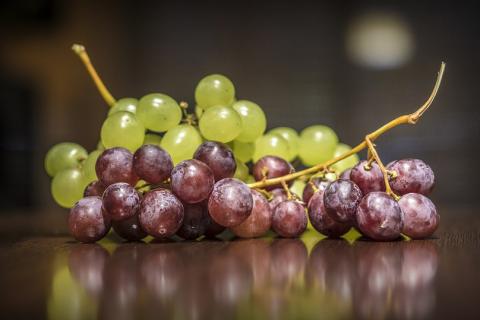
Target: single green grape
(88,168)
(220,123)
(213,90)
(241,172)
(159,112)
(122,129)
(253,118)
(292,138)
(199,111)
(243,150)
(64,155)
(181,142)
(152,138)
(67,187)
(270,145)
(297,187)
(124,104)
(346,163)
(317,144)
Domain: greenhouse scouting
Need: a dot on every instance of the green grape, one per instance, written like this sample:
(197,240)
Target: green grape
(122,129)
(181,142)
(64,155)
(297,187)
(243,150)
(241,172)
(270,145)
(152,138)
(124,104)
(88,168)
(317,144)
(199,111)
(220,123)
(214,90)
(253,120)
(346,163)
(250,179)
(158,112)
(67,187)
(100,146)
(292,138)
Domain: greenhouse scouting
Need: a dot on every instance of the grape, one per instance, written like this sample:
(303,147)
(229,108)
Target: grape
(122,129)
(317,144)
(181,142)
(120,201)
(220,123)
(346,163)
(368,180)
(413,176)
(214,89)
(161,213)
(218,157)
(116,165)
(258,222)
(86,221)
(152,164)
(321,221)
(289,219)
(270,145)
(192,181)
(230,203)
(195,221)
(100,146)
(292,138)
(318,184)
(346,174)
(94,188)
(298,186)
(67,187)
(241,172)
(243,150)
(129,229)
(65,155)
(159,112)
(124,104)
(272,167)
(152,138)
(278,195)
(212,228)
(420,217)
(253,120)
(379,217)
(88,168)
(341,199)
(199,111)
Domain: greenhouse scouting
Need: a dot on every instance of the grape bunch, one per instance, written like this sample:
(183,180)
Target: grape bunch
(161,171)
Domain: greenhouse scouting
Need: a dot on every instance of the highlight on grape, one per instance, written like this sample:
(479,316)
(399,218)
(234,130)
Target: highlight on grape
(160,170)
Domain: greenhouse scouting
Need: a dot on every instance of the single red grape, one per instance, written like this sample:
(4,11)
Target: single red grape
(321,221)
(259,221)
(368,180)
(420,217)
(218,157)
(94,188)
(318,184)
(289,219)
(192,181)
(116,165)
(86,221)
(152,163)
(269,167)
(121,201)
(413,175)
(278,195)
(129,229)
(341,199)
(195,221)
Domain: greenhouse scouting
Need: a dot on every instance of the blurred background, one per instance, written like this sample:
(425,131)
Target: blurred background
(352,65)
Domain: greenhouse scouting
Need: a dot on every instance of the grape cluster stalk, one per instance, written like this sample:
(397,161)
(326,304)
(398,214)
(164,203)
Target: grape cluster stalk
(163,172)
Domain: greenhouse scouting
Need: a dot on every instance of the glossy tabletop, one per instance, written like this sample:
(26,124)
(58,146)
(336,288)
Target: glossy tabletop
(46,275)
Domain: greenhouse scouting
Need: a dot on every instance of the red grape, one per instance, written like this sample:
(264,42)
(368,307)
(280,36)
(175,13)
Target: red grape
(278,195)
(341,199)
(94,188)
(271,167)
(218,157)
(129,229)
(116,165)
(368,180)
(86,221)
(161,213)
(152,163)
(321,221)
(192,181)
(289,219)
(121,201)
(213,229)
(259,221)
(379,217)
(230,203)
(195,221)
(316,183)
(420,217)
(413,175)
(346,174)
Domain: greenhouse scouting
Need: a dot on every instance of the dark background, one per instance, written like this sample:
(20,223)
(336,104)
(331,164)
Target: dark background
(294,59)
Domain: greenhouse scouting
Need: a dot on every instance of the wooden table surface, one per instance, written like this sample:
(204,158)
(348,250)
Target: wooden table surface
(45,274)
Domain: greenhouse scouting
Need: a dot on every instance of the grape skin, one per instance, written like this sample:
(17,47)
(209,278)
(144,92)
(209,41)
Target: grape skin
(258,222)
(122,129)
(220,123)
(420,217)
(181,142)
(161,213)
(152,164)
(124,104)
(120,201)
(253,120)
(273,167)
(321,221)
(192,181)
(129,229)
(88,167)
(292,138)
(346,163)
(94,188)
(317,144)
(379,217)
(368,180)
(346,174)
(86,220)
(67,187)
(319,183)
(65,155)
(195,221)
(116,165)
(158,112)
(278,195)
(413,176)
(214,89)
(212,228)
(289,219)
(218,157)
(271,145)
(341,199)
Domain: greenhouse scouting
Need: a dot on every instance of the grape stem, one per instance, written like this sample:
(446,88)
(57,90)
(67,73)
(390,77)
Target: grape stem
(83,55)
(411,118)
